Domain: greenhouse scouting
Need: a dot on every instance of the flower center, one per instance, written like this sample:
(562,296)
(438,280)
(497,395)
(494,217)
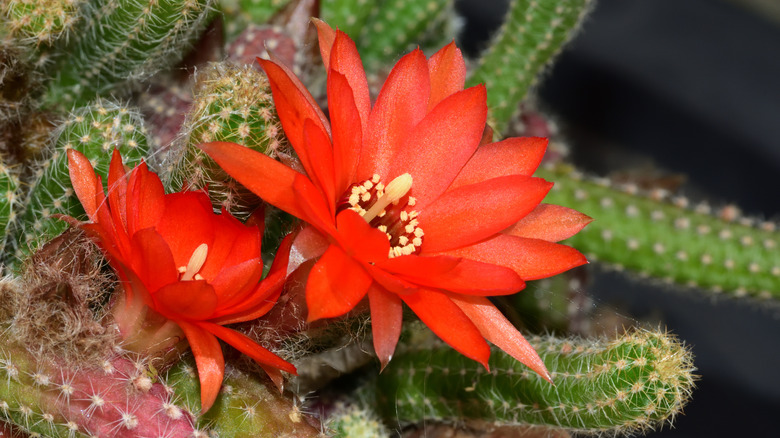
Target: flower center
(386,208)
(196,262)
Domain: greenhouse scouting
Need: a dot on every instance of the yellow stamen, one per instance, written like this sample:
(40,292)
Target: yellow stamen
(196,262)
(394,191)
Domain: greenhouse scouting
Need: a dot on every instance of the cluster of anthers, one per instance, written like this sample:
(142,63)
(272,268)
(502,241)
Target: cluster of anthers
(386,209)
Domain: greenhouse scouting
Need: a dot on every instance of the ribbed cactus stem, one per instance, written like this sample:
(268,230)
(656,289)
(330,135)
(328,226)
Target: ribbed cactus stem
(395,26)
(125,41)
(9,201)
(663,237)
(232,104)
(532,34)
(348,15)
(40,22)
(95,130)
(356,420)
(247,407)
(634,383)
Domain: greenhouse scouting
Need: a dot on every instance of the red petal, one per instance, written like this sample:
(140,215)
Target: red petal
(336,284)
(314,208)
(117,190)
(321,154)
(361,240)
(392,282)
(233,244)
(347,140)
(210,362)
(249,347)
(498,330)
(446,319)
(152,260)
(187,222)
(189,300)
(307,244)
(344,59)
(294,105)
(474,212)
(235,282)
(402,103)
(386,319)
(264,295)
(530,258)
(513,156)
(264,176)
(448,73)
(463,276)
(441,144)
(83,179)
(325,35)
(145,200)
(549,222)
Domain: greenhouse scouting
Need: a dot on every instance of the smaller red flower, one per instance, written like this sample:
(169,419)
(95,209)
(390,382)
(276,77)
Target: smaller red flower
(195,269)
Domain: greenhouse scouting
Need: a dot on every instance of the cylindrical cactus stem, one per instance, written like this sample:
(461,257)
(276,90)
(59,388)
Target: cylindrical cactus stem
(40,22)
(348,15)
(355,419)
(126,41)
(395,25)
(260,11)
(95,130)
(636,382)
(248,406)
(9,201)
(532,34)
(663,237)
(232,104)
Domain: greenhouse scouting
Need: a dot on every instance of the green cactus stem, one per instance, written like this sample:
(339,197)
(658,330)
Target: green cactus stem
(9,201)
(532,34)
(356,420)
(40,22)
(125,42)
(660,236)
(348,15)
(232,104)
(95,130)
(394,26)
(634,383)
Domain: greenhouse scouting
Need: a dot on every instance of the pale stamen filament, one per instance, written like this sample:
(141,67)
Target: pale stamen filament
(196,262)
(394,191)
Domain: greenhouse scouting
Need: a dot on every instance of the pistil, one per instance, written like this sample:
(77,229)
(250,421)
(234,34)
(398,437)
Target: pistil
(394,191)
(196,262)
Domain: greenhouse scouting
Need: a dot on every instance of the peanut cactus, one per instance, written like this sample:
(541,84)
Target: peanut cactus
(94,130)
(664,237)
(231,104)
(126,41)
(630,384)
(532,34)
(9,200)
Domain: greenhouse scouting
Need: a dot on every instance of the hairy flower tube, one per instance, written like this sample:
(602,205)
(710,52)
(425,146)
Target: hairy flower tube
(406,202)
(184,270)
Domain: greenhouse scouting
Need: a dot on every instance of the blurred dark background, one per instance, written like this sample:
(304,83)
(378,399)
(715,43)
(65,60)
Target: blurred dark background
(693,88)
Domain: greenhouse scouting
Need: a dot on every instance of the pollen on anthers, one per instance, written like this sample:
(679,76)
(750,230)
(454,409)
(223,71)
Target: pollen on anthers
(387,208)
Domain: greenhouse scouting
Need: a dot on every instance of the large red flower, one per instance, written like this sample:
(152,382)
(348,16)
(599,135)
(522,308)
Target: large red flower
(404,205)
(196,269)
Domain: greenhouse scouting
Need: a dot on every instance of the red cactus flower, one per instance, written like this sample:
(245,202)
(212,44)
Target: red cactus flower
(404,205)
(195,269)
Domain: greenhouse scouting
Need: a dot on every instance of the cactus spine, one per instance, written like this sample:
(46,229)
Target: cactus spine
(667,239)
(627,385)
(9,185)
(231,104)
(533,32)
(94,130)
(126,41)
